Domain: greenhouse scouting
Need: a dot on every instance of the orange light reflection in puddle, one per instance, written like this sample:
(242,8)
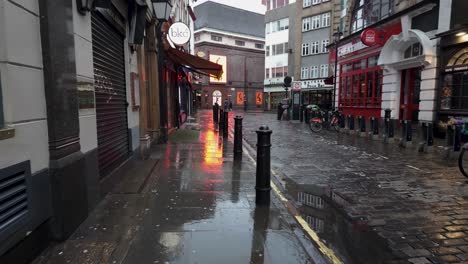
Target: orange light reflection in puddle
(213,152)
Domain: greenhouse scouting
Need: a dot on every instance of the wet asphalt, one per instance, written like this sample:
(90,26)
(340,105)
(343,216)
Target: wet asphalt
(190,202)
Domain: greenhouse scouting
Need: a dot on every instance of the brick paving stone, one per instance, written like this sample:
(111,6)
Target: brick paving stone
(449,259)
(463,248)
(445,250)
(463,257)
(455,234)
(419,261)
(454,242)
(416,252)
(460,222)
(437,236)
(456,228)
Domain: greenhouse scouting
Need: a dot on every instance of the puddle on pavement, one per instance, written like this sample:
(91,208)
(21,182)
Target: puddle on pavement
(352,240)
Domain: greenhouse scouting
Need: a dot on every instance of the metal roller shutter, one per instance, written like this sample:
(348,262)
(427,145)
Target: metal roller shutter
(111,100)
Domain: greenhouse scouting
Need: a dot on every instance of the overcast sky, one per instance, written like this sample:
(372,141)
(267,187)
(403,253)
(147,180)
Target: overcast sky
(251,5)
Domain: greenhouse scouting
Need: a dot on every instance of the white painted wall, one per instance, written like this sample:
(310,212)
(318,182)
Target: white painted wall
(229,39)
(131,65)
(276,60)
(85,76)
(22,84)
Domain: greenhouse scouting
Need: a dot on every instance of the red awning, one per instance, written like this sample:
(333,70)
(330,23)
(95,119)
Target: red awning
(195,63)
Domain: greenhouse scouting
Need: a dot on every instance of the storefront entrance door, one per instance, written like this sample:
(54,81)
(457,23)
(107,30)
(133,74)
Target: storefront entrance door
(409,94)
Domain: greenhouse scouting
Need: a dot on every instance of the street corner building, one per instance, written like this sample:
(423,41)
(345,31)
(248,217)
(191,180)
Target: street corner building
(235,39)
(84,87)
(402,60)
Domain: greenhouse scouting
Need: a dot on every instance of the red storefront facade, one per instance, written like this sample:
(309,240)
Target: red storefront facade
(359,86)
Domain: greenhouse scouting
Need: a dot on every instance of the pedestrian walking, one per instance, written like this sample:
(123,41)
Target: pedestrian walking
(230,105)
(226,105)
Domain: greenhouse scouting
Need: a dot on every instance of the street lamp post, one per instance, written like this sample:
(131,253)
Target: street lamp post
(336,37)
(162,11)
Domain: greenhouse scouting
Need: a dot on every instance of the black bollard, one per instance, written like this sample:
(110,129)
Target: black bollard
(221,119)
(238,138)
(226,124)
(280,111)
(307,116)
(263,173)
(215,113)
(375,125)
(342,121)
(409,130)
(430,134)
(301,113)
(362,124)
(388,124)
(351,122)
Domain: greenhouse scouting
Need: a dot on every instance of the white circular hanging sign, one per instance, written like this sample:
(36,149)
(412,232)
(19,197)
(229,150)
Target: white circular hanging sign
(179,33)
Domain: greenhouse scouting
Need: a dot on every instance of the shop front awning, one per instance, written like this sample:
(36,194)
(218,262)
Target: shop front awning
(194,63)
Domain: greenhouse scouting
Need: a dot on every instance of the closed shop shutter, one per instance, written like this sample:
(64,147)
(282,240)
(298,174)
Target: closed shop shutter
(111,101)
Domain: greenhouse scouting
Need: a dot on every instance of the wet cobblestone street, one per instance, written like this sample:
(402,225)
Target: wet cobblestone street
(416,204)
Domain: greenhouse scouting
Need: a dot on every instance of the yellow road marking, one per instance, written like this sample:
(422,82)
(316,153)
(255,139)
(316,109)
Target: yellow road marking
(326,251)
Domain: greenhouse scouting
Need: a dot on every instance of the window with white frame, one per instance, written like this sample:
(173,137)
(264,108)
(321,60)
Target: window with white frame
(325,43)
(324,70)
(259,46)
(314,72)
(316,2)
(216,38)
(240,43)
(314,47)
(283,24)
(267,28)
(305,49)
(306,24)
(304,73)
(267,73)
(316,22)
(326,20)
(307,3)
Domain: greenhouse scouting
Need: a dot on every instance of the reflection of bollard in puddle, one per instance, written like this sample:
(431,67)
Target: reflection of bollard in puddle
(263,173)
(238,138)
(226,124)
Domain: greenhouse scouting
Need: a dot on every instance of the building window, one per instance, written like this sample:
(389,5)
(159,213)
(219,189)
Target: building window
(454,94)
(413,51)
(267,51)
(324,70)
(267,73)
(307,3)
(326,20)
(360,83)
(267,28)
(306,24)
(216,38)
(304,73)
(285,70)
(259,46)
(283,24)
(315,2)
(368,12)
(305,49)
(325,43)
(316,22)
(278,72)
(315,47)
(240,43)
(314,72)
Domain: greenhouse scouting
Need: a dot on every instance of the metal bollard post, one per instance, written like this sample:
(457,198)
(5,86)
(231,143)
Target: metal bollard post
(226,124)
(238,138)
(407,131)
(221,119)
(375,125)
(342,121)
(351,122)
(362,124)
(279,112)
(263,173)
(301,113)
(430,135)
(215,113)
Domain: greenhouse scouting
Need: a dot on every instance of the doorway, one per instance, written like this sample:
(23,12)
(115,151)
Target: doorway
(409,94)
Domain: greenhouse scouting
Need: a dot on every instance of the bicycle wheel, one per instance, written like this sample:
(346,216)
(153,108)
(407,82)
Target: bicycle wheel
(463,161)
(315,126)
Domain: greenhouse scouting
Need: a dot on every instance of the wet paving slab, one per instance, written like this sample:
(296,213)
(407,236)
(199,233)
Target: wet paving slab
(377,203)
(194,204)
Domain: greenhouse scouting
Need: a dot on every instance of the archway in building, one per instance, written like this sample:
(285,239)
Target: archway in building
(217,97)
(405,55)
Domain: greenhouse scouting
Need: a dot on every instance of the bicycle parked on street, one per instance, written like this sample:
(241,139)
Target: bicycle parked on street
(463,160)
(317,123)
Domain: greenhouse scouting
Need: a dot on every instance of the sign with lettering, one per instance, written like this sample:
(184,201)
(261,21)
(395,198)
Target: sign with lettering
(350,48)
(179,33)
(370,37)
(296,86)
